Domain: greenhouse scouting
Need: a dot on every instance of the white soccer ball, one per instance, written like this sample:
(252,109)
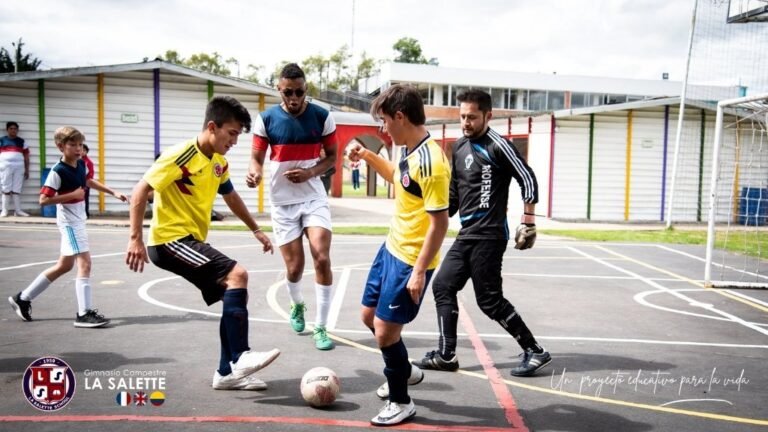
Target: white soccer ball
(320,386)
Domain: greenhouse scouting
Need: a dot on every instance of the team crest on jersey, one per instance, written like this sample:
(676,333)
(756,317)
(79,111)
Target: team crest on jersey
(48,384)
(218,170)
(468,162)
(406,180)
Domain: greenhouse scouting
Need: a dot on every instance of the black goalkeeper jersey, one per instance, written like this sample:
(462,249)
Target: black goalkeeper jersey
(481,172)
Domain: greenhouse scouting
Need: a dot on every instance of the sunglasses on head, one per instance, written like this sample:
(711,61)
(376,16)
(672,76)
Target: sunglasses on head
(291,92)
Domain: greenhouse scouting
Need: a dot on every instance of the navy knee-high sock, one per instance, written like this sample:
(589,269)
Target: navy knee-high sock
(233,330)
(397,369)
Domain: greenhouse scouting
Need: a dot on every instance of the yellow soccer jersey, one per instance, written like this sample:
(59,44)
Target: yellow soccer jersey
(422,179)
(185,183)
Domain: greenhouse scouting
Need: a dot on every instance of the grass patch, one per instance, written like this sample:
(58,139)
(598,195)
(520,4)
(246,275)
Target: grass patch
(744,242)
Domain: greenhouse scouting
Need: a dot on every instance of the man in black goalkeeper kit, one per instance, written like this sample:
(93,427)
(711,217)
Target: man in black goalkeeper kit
(482,167)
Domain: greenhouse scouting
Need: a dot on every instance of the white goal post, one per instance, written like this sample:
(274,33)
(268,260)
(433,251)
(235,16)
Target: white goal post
(738,206)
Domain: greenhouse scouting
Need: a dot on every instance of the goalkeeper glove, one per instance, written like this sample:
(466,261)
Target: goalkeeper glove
(525,236)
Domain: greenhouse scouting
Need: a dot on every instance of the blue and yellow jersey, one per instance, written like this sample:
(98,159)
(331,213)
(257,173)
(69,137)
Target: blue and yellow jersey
(422,179)
(185,182)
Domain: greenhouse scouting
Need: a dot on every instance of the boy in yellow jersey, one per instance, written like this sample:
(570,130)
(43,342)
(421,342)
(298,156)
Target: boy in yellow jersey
(404,265)
(185,180)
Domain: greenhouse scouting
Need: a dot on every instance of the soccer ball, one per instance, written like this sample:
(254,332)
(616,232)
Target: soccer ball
(320,386)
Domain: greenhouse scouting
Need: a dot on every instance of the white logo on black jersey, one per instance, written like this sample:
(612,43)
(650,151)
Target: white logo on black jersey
(468,162)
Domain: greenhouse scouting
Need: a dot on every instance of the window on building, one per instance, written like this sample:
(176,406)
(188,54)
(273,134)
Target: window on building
(447,95)
(555,100)
(510,96)
(537,100)
(610,99)
(498,98)
(524,96)
(457,90)
(579,100)
(632,98)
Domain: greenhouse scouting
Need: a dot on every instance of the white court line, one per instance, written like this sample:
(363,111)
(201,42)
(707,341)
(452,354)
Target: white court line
(599,340)
(564,276)
(696,400)
(143,292)
(727,267)
(56,260)
(682,297)
(746,297)
(640,298)
(338,298)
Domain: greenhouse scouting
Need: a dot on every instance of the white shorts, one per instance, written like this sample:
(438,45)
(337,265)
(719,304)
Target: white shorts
(74,240)
(11,177)
(289,221)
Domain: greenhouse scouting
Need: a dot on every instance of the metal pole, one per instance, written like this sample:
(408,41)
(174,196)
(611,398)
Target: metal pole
(679,131)
(713,196)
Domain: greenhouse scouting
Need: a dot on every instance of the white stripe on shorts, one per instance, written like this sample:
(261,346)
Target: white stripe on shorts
(187,254)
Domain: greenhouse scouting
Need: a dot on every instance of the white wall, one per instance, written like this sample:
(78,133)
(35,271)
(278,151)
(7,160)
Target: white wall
(18,102)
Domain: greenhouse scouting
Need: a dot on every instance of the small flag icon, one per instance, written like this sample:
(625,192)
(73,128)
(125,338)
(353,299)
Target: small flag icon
(140,399)
(157,398)
(123,398)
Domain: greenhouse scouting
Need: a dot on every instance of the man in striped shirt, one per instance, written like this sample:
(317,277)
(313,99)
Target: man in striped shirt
(482,168)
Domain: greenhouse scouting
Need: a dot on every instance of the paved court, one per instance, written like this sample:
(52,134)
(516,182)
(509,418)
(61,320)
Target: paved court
(638,344)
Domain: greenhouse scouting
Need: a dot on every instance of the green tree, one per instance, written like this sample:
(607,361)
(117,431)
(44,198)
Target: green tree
(409,51)
(253,73)
(213,63)
(16,61)
(316,71)
(365,68)
(338,66)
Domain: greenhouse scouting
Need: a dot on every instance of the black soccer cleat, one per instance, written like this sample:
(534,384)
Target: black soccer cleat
(434,361)
(91,319)
(23,308)
(531,363)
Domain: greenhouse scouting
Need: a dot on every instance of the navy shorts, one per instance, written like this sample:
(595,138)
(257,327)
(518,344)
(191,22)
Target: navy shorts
(196,262)
(386,288)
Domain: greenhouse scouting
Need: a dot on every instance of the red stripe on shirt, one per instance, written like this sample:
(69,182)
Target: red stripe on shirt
(47,191)
(260,143)
(330,139)
(13,149)
(294,152)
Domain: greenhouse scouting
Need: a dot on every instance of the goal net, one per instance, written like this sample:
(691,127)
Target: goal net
(737,230)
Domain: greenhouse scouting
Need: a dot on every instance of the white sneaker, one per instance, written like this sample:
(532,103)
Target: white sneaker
(394,413)
(417,376)
(251,361)
(228,382)
(22,213)
(3,213)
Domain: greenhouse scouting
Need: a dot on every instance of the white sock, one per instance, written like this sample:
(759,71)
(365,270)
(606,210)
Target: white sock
(16,202)
(323,294)
(35,288)
(6,202)
(83,290)
(294,291)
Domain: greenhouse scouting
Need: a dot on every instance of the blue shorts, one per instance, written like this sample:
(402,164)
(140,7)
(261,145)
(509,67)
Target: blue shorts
(386,288)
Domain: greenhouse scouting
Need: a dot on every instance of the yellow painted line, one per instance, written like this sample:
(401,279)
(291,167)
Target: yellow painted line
(628,169)
(102,144)
(685,279)
(275,306)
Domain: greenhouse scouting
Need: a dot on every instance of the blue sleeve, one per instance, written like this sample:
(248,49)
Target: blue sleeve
(226,187)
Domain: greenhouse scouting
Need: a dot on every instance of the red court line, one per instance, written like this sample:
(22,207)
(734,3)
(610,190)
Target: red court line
(503,396)
(236,419)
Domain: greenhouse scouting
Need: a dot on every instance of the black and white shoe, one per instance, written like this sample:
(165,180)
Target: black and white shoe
(23,308)
(91,319)
(531,363)
(434,361)
(394,413)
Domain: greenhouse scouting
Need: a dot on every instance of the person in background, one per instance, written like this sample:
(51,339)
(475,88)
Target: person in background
(89,168)
(14,169)
(65,187)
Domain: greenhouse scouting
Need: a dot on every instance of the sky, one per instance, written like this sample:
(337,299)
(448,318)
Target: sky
(617,38)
